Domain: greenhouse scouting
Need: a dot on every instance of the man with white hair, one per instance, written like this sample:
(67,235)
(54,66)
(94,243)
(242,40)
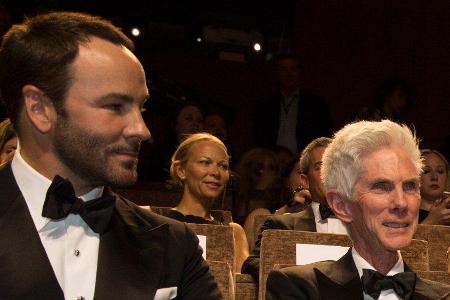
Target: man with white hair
(371,174)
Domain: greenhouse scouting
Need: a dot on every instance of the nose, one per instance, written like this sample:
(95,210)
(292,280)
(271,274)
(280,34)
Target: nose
(434,176)
(136,127)
(399,200)
(214,170)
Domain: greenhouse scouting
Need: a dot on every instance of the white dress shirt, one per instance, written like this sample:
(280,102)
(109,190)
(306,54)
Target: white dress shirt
(361,264)
(71,246)
(329,225)
(287,131)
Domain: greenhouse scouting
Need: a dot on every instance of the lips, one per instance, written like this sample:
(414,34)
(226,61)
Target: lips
(213,185)
(434,186)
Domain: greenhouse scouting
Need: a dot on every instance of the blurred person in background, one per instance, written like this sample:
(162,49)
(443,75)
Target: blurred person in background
(434,208)
(8,141)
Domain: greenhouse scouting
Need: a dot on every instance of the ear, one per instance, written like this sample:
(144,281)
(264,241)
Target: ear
(304,180)
(38,108)
(340,206)
(181,173)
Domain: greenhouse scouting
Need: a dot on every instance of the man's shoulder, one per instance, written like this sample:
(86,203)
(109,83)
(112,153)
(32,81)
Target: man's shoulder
(290,220)
(145,215)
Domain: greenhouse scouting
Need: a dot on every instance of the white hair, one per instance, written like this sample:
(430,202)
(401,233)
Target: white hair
(342,159)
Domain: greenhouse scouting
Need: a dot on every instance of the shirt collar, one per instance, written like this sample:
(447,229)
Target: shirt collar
(34,186)
(361,264)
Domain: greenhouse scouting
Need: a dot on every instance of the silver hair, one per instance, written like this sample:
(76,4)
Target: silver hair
(342,160)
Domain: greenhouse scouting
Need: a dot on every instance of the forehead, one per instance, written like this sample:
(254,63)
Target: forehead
(316,154)
(390,162)
(433,158)
(102,65)
(207,148)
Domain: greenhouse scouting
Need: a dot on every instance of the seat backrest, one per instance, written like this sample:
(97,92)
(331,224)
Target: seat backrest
(439,276)
(246,287)
(224,278)
(279,247)
(438,237)
(219,242)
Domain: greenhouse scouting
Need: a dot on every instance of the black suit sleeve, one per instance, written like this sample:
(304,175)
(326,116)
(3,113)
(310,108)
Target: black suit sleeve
(251,264)
(286,285)
(197,282)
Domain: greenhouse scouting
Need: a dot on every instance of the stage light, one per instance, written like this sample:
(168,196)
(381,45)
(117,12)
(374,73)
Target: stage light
(135,31)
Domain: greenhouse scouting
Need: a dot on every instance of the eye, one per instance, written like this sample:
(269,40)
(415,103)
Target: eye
(116,107)
(224,166)
(410,186)
(426,170)
(383,186)
(205,162)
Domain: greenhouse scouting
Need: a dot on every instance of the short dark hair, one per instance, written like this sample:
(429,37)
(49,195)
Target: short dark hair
(40,50)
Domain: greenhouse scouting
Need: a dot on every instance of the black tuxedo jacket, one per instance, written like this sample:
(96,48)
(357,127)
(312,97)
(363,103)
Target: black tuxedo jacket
(313,120)
(335,280)
(140,253)
(303,220)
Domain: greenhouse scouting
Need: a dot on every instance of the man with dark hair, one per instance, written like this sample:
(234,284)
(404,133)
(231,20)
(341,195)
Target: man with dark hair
(371,173)
(316,217)
(75,92)
(291,117)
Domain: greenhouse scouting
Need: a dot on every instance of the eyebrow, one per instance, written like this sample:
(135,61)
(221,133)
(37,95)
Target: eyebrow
(123,97)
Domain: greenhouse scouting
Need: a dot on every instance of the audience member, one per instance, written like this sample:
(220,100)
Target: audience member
(201,166)
(291,117)
(434,207)
(74,92)
(216,124)
(8,141)
(371,172)
(257,183)
(295,215)
(393,98)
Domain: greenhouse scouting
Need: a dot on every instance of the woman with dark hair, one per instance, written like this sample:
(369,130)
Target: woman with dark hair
(8,141)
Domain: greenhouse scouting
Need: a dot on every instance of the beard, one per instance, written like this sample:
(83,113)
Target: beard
(90,155)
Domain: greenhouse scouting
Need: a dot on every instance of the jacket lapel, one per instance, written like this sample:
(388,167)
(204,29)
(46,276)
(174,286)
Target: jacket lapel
(131,256)
(340,280)
(26,269)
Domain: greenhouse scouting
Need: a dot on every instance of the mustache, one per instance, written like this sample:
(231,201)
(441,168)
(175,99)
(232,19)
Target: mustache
(132,148)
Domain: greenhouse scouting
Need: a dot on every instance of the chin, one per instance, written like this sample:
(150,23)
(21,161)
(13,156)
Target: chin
(395,244)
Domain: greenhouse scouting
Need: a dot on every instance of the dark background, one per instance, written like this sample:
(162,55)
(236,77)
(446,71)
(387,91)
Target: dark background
(346,49)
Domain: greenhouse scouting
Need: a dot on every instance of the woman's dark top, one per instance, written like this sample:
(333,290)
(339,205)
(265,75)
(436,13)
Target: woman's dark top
(423,214)
(174,214)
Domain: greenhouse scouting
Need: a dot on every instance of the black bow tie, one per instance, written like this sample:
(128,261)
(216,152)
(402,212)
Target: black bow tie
(402,283)
(325,212)
(61,201)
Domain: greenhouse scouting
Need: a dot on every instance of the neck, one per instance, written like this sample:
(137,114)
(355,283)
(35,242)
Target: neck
(427,202)
(191,206)
(382,261)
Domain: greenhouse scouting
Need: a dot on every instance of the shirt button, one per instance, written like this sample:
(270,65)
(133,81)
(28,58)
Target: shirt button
(76,252)
(80,298)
